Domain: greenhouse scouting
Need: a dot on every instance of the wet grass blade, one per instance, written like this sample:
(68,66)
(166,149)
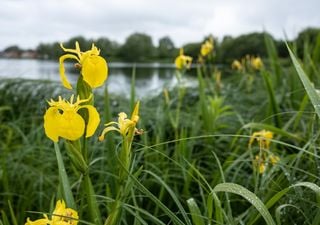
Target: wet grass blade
(249,196)
(311,91)
(281,193)
(196,216)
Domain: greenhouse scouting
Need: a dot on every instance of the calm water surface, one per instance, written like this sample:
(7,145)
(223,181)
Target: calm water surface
(151,78)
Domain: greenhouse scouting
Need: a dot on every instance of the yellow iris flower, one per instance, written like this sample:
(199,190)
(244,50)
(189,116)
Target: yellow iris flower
(183,61)
(236,65)
(263,137)
(94,68)
(256,63)
(207,47)
(124,125)
(62,119)
(60,216)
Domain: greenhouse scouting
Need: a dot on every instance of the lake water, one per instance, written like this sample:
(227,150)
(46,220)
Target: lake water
(151,78)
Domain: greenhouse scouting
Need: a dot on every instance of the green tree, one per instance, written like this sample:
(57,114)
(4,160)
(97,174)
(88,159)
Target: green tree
(85,44)
(108,48)
(308,37)
(137,47)
(192,49)
(166,48)
(235,48)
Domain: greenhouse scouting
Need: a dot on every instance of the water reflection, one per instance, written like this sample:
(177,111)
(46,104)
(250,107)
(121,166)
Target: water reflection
(150,78)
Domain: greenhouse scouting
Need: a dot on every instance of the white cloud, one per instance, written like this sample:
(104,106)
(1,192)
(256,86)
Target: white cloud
(29,22)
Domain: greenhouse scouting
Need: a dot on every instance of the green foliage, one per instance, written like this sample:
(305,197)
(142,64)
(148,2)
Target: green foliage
(228,49)
(108,48)
(137,47)
(236,48)
(166,48)
(192,49)
(309,35)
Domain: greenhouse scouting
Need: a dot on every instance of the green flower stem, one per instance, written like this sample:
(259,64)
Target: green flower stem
(63,178)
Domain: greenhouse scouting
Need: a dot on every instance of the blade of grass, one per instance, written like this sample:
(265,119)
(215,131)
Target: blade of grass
(281,193)
(196,216)
(249,196)
(63,177)
(272,98)
(144,190)
(311,91)
(173,195)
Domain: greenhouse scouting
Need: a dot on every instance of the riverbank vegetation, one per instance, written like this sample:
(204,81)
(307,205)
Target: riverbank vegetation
(240,148)
(139,47)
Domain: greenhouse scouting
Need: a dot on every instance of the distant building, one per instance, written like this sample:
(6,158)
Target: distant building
(18,53)
(12,54)
(29,54)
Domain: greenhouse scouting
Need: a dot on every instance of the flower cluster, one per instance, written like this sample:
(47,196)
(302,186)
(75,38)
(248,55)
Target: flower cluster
(63,118)
(247,63)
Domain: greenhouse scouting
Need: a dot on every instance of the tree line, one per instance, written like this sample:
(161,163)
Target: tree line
(139,47)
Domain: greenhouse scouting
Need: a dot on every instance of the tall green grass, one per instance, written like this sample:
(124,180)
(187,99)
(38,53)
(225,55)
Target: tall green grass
(192,165)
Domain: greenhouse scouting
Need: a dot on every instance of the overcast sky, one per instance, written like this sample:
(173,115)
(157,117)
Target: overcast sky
(29,22)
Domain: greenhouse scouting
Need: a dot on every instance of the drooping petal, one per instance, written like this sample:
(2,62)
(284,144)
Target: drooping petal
(44,221)
(94,70)
(94,120)
(106,130)
(50,124)
(63,77)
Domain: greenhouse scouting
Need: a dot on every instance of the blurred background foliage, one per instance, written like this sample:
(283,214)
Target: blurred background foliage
(139,47)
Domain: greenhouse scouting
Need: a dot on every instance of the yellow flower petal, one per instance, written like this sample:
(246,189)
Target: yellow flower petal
(44,221)
(63,77)
(94,70)
(70,125)
(106,130)
(50,125)
(94,120)
(135,113)
(70,50)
